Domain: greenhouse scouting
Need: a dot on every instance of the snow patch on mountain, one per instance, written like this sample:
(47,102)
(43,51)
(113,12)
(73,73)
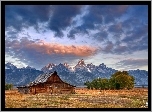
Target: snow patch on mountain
(88,70)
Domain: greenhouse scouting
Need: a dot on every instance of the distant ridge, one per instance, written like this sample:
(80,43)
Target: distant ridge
(77,75)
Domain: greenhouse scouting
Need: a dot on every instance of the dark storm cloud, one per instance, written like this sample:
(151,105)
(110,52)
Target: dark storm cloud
(132,63)
(58,17)
(19,16)
(62,17)
(97,15)
(72,33)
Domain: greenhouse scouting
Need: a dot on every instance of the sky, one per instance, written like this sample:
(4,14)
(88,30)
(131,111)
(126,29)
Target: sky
(116,35)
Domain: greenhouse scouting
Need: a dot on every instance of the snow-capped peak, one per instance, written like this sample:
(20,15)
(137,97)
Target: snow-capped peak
(50,65)
(80,65)
(28,67)
(10,66)
(81,62)
(66,65)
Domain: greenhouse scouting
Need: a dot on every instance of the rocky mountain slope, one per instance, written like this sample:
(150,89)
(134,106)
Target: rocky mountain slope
(77,75)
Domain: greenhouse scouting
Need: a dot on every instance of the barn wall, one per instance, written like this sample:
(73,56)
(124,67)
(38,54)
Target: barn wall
(52,88)
(41,88)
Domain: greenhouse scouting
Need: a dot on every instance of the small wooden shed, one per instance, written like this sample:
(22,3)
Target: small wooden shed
(47,83)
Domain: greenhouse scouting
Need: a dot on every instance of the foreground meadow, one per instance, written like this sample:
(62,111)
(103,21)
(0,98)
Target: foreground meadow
(83,98)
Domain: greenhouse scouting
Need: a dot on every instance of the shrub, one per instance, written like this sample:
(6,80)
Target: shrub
(8,86)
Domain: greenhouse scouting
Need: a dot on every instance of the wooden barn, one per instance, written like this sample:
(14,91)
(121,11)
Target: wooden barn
(47,83)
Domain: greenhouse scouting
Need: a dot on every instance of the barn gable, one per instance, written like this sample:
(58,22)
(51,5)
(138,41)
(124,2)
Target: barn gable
(54,78)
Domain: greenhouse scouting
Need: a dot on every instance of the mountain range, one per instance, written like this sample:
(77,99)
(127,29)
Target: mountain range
(76,75)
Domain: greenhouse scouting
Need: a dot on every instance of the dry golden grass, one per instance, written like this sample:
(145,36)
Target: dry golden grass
(83,98)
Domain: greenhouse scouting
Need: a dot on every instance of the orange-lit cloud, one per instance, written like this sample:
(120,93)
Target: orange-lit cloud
(55,48)
(43,47)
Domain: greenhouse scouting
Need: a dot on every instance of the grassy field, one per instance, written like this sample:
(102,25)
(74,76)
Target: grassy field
(83,98)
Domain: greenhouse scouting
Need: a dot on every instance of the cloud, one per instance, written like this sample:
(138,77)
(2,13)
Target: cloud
(113,12)
(42,52)
(108,48)
(19,16)
(107,12)
(101,36)
(129,23)
(132,63)
(120,49)
(98,15)
(115,28)
(136,33)
(77,30)
(58,17)
(12,34)
(135,36)
(62,17)
(51,48)
(61,49)
(137,39)
(139,11)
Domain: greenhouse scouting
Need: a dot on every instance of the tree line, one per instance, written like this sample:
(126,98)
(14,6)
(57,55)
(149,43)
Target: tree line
(119,80)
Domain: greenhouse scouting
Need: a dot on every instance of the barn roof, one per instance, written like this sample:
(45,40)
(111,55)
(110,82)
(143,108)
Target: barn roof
(40,79)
